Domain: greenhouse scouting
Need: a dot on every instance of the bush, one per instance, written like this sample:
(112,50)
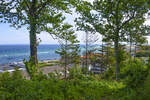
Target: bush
(14,87)
(144,91)
(133,73)
(134,85)
(30,68)
(143,54)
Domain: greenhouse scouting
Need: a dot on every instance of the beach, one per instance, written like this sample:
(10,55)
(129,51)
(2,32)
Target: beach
(49,67)
(21,66)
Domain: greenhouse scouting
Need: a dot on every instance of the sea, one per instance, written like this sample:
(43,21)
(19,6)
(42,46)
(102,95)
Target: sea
(17,53)
(13,55)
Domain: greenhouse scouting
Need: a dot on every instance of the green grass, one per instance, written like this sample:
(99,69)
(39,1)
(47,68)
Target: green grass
(43,64)
(49,63)
(53,61)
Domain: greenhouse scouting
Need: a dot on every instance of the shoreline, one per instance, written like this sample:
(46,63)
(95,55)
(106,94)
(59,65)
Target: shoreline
(10,67)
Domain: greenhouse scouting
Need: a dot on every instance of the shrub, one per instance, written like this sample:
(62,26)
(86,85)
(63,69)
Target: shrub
(143,54)
(133,73)
(14,87)
(30,68)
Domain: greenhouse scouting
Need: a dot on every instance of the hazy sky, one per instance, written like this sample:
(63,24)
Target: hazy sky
(9,35)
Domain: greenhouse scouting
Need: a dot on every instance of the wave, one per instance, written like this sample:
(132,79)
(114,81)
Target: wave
(43,52)
(4,55)
(12,70)
(16,53)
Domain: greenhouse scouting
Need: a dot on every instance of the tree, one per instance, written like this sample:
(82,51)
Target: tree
(90,39)
(136,34)
(89,35)
(69,50)
(111,18)
(37,15)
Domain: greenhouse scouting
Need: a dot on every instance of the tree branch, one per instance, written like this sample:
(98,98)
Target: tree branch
(43,5)
(28,6)
(125,22)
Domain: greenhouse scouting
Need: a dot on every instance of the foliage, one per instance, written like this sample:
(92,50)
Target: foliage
(122,53)
(75,72)
(137,93)
(112,19)
(134,85)
(143,54)
(116,20)
(37,16)
(44,12)
(69,49)
(17,88)
(133,73)
(145,89)
(30,68)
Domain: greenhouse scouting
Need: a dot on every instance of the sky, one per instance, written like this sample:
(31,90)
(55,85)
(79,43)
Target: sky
(9,35)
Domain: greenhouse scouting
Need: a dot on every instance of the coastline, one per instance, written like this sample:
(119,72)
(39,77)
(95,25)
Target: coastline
(10,67)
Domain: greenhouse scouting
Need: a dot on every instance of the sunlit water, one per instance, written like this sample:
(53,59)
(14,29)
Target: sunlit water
(16,53)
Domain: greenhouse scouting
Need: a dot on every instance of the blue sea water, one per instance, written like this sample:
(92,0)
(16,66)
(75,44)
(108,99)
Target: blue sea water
(16,53)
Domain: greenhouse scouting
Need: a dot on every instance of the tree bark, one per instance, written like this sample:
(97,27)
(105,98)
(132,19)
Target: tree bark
(33,31)
(116,43)
(135,51)
(86,50)
(102,52)
(33,44)
(66,45)
(130,46)
(107,55)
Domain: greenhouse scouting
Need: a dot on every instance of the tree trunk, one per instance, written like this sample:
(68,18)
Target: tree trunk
(130,46)
(116,42)
(102,47)
(107,55)
(102,52)
(117,57)
(87,54)
(33,38)
(86,50)
(135,51)
(66,45)
(33,44)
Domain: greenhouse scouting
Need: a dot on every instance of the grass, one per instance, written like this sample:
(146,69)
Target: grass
(49,63)
(53,61)
(43,64)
